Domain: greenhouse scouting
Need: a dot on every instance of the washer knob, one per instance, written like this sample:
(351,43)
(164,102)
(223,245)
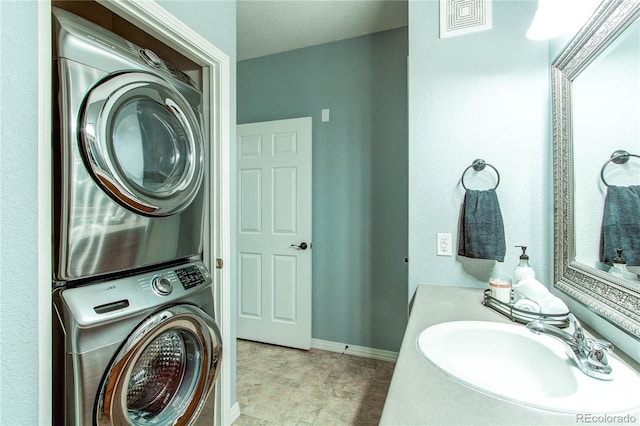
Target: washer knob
(161,286)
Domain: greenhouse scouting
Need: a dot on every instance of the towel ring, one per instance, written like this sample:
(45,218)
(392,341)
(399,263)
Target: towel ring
(478,165)
(619,156)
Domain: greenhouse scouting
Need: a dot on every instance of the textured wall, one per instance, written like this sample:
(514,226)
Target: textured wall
(19,328)
(481,95)
(359,175)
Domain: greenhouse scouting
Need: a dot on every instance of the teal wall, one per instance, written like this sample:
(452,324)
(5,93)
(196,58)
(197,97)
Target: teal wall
(359,175)
(20,319)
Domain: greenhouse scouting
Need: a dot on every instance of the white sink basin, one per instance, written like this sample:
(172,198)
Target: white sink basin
(509,362)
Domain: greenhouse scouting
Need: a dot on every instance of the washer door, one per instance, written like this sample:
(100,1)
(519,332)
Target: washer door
(142,142)
(163,372)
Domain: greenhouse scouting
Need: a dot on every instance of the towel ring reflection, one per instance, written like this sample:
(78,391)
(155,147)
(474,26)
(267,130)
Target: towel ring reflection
(478,165)
(619,156)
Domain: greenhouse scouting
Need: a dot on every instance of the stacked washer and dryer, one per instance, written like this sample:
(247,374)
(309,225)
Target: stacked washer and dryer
(135,341)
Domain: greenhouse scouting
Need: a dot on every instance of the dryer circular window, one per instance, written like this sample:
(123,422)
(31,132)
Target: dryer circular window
(163,372)
(142,143)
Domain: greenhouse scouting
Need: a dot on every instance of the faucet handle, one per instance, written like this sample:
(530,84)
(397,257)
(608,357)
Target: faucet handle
(577,327)
(597,356)
(578,331)
(601,344)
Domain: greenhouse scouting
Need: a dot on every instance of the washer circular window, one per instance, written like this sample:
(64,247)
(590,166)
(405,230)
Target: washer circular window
(142,142)
(157,374)
(164,372)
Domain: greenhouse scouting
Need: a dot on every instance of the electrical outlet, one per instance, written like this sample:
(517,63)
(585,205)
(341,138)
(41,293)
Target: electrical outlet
(443,244)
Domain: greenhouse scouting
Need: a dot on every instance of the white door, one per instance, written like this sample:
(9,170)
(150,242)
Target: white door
(274,232)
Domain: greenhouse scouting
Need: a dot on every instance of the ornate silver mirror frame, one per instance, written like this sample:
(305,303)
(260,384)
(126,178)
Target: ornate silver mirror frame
(613,298)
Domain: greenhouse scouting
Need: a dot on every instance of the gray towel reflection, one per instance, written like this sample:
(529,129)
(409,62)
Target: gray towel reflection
(621,224)
(481,230)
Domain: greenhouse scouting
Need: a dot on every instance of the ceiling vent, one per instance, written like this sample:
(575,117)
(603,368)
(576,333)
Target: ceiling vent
(459,17)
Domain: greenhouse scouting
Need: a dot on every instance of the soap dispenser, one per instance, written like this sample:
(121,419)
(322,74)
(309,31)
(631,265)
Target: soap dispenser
(523,269)
(619,265)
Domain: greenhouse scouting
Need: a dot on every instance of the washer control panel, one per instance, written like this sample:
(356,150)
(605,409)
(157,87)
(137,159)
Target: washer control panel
(131,295)
(175,281)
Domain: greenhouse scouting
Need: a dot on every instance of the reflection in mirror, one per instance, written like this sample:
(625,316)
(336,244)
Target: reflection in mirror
(596,110)
(606,108)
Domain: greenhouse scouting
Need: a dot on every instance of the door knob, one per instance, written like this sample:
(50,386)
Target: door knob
(302,246)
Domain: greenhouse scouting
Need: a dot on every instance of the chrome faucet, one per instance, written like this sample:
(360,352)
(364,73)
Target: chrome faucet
(589,355)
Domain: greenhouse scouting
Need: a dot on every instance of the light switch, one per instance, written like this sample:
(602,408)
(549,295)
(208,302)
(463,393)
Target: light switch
(325,115)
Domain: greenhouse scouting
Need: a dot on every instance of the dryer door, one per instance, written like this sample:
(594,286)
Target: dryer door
(163,372)
(143,143)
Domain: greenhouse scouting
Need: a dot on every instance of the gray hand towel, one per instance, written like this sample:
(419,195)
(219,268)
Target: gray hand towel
(621,224)
(481,231)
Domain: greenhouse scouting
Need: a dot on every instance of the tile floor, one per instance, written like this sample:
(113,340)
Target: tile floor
(284,386)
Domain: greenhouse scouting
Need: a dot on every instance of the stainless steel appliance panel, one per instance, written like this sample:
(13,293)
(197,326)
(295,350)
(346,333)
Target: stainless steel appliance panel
(96,233)
(102,329)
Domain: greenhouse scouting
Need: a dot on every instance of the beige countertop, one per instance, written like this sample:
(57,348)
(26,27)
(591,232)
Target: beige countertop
(420,394)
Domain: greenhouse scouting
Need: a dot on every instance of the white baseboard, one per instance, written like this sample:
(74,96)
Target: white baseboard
(234,413)
(354,350)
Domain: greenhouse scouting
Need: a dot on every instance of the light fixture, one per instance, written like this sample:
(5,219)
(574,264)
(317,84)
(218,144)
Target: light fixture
(558,17)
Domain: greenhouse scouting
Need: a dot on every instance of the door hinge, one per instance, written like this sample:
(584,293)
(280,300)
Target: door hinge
(219,263)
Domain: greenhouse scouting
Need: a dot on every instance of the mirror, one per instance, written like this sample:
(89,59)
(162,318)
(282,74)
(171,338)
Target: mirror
(605,110)
(596,105)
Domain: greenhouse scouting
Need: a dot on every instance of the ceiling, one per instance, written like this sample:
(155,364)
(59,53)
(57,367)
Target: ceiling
(265,27)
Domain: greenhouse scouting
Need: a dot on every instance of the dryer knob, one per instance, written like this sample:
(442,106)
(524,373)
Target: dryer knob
(161,286)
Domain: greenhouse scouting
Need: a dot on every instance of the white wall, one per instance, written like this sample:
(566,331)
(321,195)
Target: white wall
(482,95)
(19,312)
